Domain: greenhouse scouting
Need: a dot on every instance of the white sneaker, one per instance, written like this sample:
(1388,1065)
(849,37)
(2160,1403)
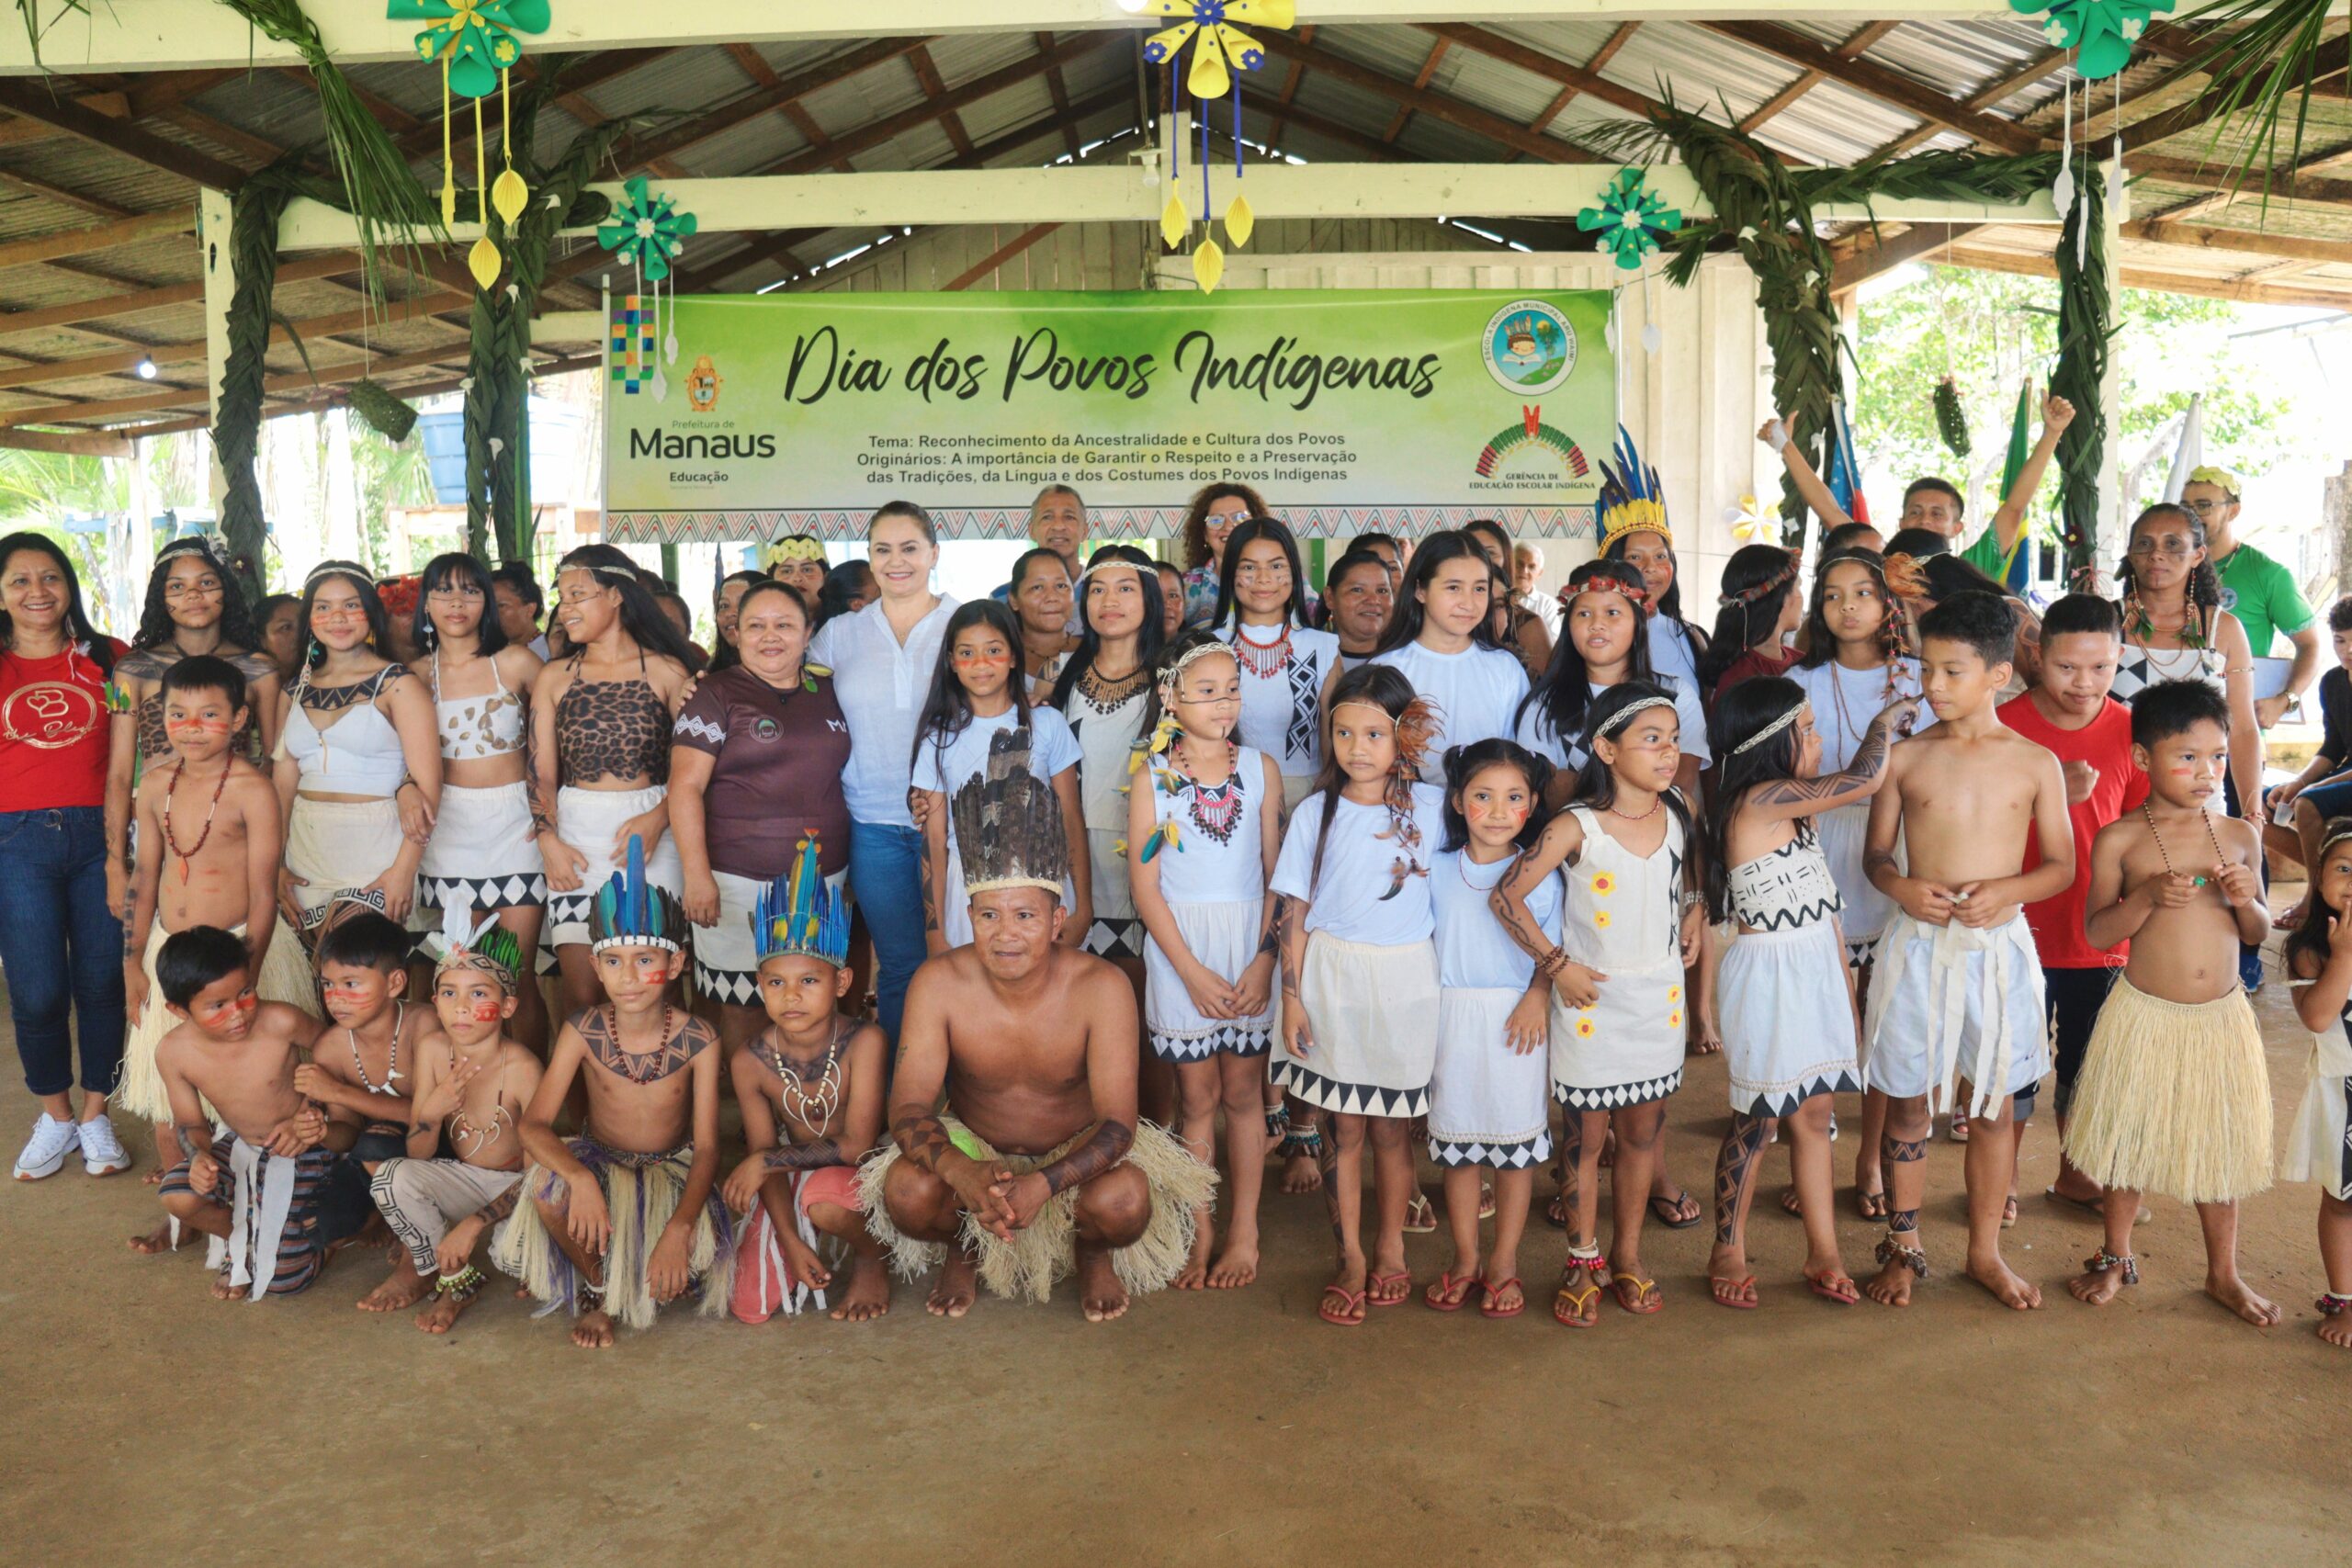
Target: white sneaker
(51,1141)
(102,1151)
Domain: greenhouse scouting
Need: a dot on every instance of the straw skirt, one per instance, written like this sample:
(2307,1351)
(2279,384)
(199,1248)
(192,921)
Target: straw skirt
(2173,1098)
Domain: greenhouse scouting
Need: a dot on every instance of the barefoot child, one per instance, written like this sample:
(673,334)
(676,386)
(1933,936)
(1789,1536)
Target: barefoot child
(476,1085)
(207,844)
(1957,991)
(2067,712)
(626,1218)
(364,1070)
(811,1086)
(2319,1146)
(1487,1087)
(1618,1014)
(1204,823)
(1360,1005)
(1787,994)
(257,1190)
(2174,1096)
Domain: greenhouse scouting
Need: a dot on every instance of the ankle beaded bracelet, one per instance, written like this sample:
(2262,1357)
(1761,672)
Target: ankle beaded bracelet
(1914,1257)
(2102,1260)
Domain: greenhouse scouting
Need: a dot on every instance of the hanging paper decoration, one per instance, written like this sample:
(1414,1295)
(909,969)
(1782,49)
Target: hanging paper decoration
(2101,33)
(1750,526)
(1632,220)
(648,231)
(1216,45)
(475,43)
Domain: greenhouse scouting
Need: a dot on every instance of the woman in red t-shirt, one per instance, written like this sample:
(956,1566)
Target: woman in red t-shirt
(60,944)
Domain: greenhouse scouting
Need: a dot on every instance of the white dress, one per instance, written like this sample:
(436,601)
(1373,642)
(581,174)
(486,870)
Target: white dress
(1106,737)
(1623,919)
(1214,878)
(1370,985)
(2319,1141)
(1844,702)
(1282,696)
(1052,748)
(1788,1026)
(1486,1102)
(1476,692)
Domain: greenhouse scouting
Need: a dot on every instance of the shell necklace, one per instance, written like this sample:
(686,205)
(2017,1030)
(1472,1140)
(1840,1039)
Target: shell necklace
(391,1066)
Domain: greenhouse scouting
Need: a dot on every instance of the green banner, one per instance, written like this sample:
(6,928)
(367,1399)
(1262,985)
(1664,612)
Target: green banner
(1347,410)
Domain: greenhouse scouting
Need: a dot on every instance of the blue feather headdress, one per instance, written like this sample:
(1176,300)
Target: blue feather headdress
(799,915)
(630,911)
(1632,498)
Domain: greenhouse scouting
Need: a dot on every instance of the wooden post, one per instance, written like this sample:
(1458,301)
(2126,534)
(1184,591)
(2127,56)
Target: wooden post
(220,285)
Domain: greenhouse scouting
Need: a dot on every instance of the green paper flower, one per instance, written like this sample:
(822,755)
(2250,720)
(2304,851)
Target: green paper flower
(477,37)
(2101,33)
(1633,220)
(646,229)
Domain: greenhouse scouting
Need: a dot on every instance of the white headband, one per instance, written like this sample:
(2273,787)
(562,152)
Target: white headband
(1770,729)
(1625,716)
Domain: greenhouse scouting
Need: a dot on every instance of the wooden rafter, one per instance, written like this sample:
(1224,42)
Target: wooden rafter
(1058,87)
(32,100)
(1437,106)
(1891,87)
(1297,75)
(2254,293)
(43,318)
(998,257)
(1600,57)
(2331,58)
(927,77)
(2296,185)
(1398,121)
(74,443)
(1867,257)
(585,75)
(634,152)
(1585,79)
(98,237)
(1347,136)
(1852,49)
(2245,242)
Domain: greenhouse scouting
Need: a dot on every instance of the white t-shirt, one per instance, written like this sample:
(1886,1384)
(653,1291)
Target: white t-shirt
(1476,692)
(1472,948)
(1535,727)
(1845,701)
(1282,712)
(1052,748)
(1353,900)
(880,683)
(1672,652)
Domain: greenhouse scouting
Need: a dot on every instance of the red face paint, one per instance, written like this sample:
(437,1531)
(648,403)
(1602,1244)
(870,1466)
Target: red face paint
(486,1012)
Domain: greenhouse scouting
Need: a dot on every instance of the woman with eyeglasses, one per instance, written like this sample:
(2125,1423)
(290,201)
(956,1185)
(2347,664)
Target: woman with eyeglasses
(2255,589)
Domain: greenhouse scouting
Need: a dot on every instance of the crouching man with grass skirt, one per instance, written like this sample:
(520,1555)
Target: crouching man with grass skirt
(1037,1168)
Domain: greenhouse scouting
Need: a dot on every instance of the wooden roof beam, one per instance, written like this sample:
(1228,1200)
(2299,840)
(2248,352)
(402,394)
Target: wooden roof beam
(1057,88)
(2165,282)
(1403,116)
(1891,87)
(634,152)
(2244,242)
(927,78)
(1437,106)
(98,237)
(1297,75)
(1585,79)
(1852,49)
(41,318)
(33,101)
(1868,257)
(1347,136)
(2295,186)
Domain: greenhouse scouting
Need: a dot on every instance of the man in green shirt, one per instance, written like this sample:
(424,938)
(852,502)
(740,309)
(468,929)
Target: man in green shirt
(2255,589)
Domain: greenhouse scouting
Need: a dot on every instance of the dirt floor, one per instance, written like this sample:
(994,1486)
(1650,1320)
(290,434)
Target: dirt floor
(150,1420)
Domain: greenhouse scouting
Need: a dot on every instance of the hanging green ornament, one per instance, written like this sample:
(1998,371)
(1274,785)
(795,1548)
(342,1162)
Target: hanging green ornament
(382,410)
(2101,33)
(1951,420)
(1632,219)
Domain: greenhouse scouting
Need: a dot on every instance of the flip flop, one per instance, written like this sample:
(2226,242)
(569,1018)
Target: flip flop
(1957,1131)
(1376,1280)
(1827,1286)
(2008,1211)
(1435,1297)
(1555,1213)
(1485,1201)
(1789,1203)
(1573,1299)
(1486,1308)
(2095,1207)
(1349,1302)
(1672,1216)
(1870,1205)
(1641,1288)
(1420,1215)
(1716,1282)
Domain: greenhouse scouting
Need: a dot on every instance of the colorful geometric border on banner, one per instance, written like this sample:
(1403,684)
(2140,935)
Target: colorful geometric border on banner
(1107,523)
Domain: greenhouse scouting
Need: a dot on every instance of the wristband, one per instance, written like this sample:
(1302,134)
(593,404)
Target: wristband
(1776,435)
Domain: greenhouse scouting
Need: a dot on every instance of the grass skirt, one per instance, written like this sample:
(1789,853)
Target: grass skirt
(1035,1259)
(285,977)
(641,1191)
(2173,1098)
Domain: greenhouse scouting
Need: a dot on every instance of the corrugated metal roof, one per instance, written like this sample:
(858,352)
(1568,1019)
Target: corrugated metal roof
(54,183)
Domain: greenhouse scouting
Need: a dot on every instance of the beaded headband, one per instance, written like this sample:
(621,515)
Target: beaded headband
(1605,583)
(191,545)
(1770,729)
(338,568)
(799,915)
(2338,837)
(1767,587)
(488,948)
(1172,672)
(1625,716)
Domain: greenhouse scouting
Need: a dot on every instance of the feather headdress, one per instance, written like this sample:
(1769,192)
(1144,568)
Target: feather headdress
(489,947)
(1009,823)
(799,915)
(631,912)
(1632,498)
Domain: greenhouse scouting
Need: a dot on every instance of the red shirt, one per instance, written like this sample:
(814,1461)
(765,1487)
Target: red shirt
(1750,664)
(53,731)
(2106,744)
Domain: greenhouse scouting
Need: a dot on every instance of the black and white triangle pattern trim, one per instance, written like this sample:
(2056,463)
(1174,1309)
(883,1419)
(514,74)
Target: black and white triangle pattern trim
(738,988)
(518,891)
(569,907)
(1347,1099)
(1619,1096)
(1110,938)
(1232,1039)
(1763,1105)
(1300,737)
(1514,1153)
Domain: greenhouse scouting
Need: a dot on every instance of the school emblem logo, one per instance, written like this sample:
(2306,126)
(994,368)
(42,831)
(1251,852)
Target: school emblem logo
(1529,347)
(702,386)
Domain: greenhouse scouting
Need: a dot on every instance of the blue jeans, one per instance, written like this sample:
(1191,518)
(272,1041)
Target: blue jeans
(61,946)
(886,874)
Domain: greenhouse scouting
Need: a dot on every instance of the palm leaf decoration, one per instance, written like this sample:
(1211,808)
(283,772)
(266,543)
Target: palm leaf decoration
(2268,57)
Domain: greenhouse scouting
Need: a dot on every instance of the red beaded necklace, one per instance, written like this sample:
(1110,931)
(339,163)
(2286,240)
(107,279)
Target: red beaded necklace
(171,788)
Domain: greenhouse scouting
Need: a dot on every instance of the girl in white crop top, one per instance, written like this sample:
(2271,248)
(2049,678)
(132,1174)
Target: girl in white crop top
(356,727)
(484,856)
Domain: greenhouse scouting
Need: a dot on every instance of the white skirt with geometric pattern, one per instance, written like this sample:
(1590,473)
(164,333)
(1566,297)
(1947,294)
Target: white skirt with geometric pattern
(483,855)
(1788,1026)
(1487,1102)
(1371,1013)
(1224,938)
(1625,1049)
(727,960)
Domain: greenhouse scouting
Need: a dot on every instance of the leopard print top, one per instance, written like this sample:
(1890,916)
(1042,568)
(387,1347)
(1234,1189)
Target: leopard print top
(616,729)
(150,664)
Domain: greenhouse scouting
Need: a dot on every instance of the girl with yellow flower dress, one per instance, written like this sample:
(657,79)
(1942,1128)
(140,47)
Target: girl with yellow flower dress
(1629,926)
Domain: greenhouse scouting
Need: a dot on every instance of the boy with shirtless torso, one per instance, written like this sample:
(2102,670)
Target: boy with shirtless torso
(625,1218)
(476,1089)
(209,836)
(2174,1095)
(1957,989)
(810,1087)
(265,1179)
(364,1071)
(1037,1165)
